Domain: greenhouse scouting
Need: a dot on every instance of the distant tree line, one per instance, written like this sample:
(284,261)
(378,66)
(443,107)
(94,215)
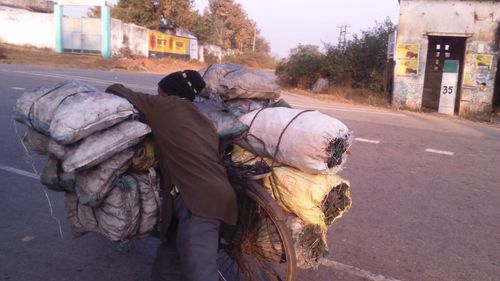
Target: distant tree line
(223,23)
(360,64)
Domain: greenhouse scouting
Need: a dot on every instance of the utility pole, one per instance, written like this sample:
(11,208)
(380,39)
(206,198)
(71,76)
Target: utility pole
(343,36)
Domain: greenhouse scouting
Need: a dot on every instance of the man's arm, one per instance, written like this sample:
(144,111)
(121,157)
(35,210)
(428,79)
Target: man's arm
(142,102)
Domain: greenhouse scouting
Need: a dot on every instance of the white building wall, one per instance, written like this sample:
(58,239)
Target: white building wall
(478,21)
(21,27)
(137,37)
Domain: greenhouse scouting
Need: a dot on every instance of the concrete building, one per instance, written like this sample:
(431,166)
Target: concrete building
(447,56)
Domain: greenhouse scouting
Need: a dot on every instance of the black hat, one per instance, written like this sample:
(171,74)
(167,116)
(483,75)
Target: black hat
(185,84)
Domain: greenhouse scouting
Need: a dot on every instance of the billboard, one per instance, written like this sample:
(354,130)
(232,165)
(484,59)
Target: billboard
(161,44)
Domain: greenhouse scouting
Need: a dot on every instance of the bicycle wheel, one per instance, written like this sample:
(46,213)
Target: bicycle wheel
(261,247)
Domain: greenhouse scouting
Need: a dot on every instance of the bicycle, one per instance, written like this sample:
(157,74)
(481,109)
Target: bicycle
(260,247)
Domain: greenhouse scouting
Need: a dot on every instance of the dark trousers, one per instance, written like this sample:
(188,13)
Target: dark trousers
(190,253)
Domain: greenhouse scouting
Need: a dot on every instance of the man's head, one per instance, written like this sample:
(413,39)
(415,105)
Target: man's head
(185,84)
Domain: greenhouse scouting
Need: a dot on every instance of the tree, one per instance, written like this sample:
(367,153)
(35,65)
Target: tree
(179,13)
(234,29)
(145,13)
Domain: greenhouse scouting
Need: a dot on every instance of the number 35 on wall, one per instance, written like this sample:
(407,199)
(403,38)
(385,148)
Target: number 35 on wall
(447,90)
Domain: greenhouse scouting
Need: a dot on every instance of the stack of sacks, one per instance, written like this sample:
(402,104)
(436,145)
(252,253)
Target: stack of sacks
(306,150)
(232,91)
(97,155)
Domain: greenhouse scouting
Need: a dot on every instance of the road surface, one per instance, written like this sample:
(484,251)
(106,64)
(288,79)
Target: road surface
(425,189)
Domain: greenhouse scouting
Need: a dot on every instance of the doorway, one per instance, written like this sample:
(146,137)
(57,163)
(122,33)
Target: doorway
(441,49)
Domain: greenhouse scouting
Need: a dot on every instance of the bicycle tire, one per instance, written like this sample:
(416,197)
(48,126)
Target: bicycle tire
(246,253)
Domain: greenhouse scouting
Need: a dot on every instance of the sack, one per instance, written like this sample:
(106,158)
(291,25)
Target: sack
(212,75)
(36,109)
(83,114)
(36,142)
(309,246)
(117,217)
(70,111)
(102,145)
(226,124)
(249,85)
(308,196)
(54,178)
(93,185)
(233,81)
(239,107)
(149,190)
(312,142)
(81,218)
(119,213)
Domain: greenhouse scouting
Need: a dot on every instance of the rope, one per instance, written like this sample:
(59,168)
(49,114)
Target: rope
(30,161)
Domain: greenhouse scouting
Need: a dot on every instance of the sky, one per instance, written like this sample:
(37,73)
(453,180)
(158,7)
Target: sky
(287,23)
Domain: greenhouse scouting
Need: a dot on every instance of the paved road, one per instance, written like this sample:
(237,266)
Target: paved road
(426,193)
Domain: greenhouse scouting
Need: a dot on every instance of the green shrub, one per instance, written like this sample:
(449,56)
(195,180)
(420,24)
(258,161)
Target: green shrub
(302,68)
(361,64)
(252,59)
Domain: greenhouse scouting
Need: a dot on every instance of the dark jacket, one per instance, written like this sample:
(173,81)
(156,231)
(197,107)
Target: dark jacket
(187,149)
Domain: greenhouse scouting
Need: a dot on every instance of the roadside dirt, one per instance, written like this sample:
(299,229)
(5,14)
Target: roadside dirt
(12,54)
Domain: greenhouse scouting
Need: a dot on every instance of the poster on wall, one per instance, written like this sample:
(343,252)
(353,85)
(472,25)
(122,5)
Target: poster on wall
(483,61)
(407,67)
(407,59)
(161,44)
(407,51)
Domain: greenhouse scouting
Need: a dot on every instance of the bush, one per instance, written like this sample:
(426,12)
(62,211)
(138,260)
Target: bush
(302,68)
(361,64)
(252,59)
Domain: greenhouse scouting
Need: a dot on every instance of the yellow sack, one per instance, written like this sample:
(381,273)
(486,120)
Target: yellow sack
(297,192)
(302,194)
(144,158)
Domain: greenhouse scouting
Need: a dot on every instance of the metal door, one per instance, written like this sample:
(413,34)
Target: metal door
(82,35)
(440,49)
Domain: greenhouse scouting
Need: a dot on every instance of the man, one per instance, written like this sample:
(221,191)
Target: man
(197,195)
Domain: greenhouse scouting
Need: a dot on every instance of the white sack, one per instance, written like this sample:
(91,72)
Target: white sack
(83,114)
(80,217)
(233,81)
(102,145)
(54,178)
(149,188)
(212,75)
(249,85)
(119,213)
(36,109)
(307,142)
(93,185)
(117,217)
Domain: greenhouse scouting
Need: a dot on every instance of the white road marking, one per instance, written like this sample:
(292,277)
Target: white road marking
(440,151)
(367,140)
(347,109)
(20,172)
(17,88)
(87,79)
(356,271)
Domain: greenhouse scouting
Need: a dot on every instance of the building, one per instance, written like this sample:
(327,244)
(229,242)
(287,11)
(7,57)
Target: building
(447,56)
